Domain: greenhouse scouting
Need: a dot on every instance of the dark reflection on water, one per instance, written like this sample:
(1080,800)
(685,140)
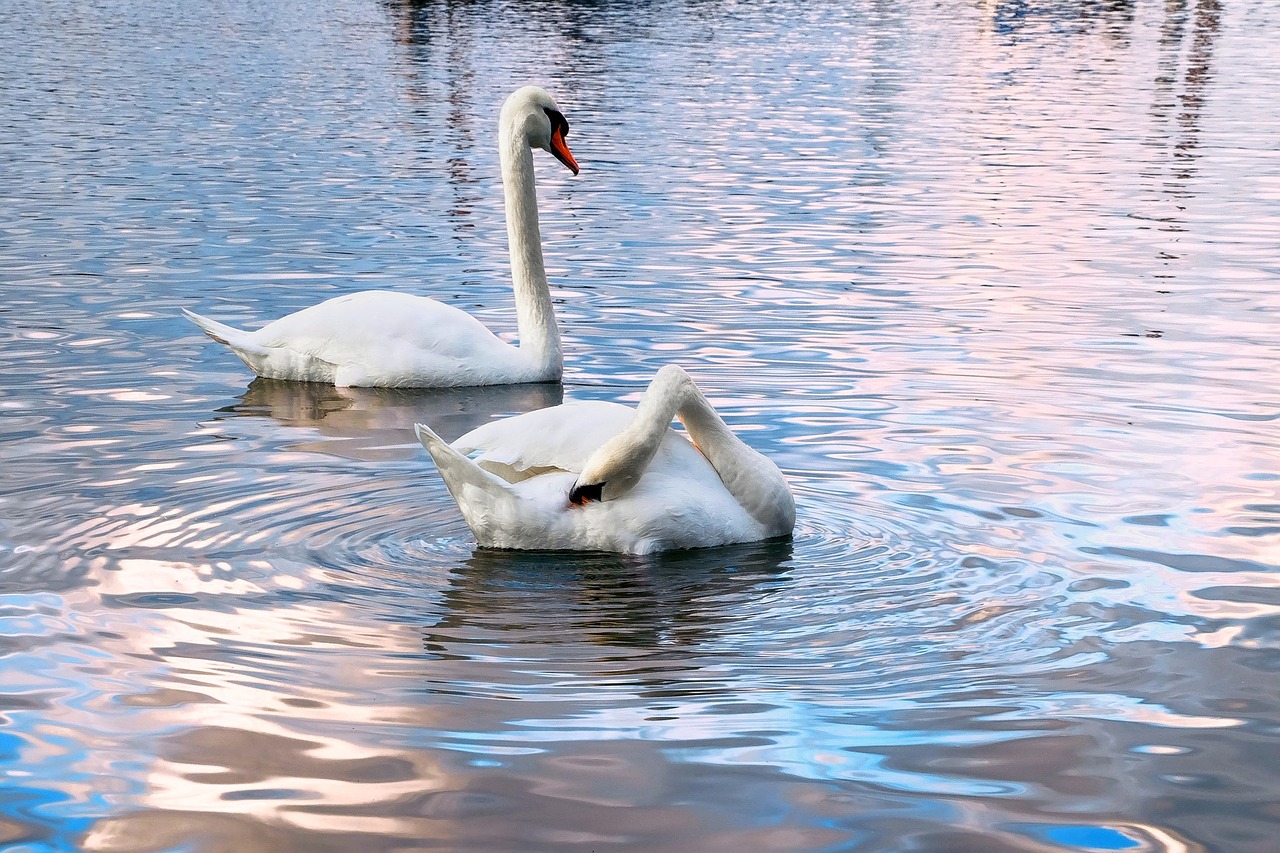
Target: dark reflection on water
(666,602)
(994,283)
(371,423)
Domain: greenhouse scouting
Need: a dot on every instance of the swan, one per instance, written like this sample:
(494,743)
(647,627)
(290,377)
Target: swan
(598,476)
(387,339)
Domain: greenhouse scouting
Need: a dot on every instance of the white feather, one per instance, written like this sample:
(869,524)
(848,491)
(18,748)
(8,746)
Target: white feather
(515,492)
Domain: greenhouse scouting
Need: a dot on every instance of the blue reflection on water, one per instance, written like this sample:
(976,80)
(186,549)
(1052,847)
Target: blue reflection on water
(1086,837)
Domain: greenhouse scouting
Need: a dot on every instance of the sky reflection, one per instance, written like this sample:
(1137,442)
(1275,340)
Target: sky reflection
(995,287)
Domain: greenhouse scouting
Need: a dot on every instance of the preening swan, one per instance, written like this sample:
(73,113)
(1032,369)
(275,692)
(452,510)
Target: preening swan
(388,339)
(596,476)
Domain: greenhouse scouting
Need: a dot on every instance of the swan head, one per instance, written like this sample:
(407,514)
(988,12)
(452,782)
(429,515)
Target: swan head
(533,114)
(611,472)
(587,491)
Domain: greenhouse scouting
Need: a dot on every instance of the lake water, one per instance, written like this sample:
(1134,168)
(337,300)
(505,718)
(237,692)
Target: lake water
(997,284)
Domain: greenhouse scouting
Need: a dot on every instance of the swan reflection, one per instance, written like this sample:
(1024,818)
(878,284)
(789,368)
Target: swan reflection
(672,600)
(377,423)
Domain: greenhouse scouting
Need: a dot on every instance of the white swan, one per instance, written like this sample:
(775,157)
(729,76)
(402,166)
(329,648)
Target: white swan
(596,476)
(382,338)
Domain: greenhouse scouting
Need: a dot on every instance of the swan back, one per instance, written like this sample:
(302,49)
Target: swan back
(561,437)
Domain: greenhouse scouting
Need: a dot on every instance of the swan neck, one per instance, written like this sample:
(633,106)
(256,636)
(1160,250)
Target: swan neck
(673,394)
(755,482)
(535,315)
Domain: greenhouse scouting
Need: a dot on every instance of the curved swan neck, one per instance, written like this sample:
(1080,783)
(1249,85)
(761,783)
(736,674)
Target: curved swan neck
(673,394)
(535,315)
(755,482)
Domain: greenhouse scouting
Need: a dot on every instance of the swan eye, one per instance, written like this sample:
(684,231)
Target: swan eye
(558,121)
(582,495)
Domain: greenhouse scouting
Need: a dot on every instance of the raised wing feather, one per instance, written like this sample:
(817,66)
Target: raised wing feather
(556,438)
(562,438)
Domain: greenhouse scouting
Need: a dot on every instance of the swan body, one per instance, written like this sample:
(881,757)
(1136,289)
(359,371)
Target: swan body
(388,339)
(605,477)
(379,338)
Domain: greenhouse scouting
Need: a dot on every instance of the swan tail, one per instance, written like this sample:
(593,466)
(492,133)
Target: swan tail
(482,497)
(237,339)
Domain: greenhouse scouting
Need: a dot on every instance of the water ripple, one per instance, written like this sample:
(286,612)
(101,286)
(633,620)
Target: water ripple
(988,285)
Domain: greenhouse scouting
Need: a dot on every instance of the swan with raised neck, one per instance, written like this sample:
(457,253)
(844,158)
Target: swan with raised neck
(391,339)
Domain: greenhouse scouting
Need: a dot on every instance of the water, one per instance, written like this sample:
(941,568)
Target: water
(995,283)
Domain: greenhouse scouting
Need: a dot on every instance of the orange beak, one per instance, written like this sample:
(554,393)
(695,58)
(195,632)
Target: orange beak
(561,150)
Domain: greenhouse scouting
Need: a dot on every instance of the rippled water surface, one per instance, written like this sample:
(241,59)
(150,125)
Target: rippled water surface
(996,283)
